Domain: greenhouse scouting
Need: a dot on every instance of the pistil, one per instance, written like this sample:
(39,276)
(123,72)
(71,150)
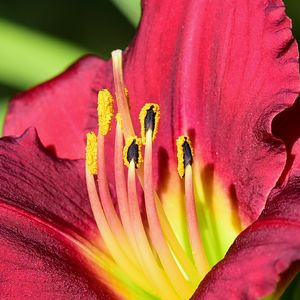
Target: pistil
(120,91)
(120,181)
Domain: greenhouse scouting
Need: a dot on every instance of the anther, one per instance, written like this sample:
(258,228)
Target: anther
(149,118)
(132,151)
(91,153)
(184,154)
(105,111)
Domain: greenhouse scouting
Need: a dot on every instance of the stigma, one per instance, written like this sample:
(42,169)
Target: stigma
(143,247)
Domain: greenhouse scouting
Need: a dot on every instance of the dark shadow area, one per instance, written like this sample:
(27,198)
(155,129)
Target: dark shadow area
(293,291)
(293,11)
(95,24)
(6,91)
(163,170)
(286,126)
(235,207)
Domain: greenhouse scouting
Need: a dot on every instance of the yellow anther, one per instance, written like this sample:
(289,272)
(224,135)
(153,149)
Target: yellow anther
(105,111)
(119,120)
(91,152)
(184,154)
(133,151)
(149,118)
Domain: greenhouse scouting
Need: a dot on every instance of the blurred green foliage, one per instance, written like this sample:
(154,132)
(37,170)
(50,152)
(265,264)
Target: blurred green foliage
(41,38)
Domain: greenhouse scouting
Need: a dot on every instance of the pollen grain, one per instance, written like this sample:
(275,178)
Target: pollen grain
(133,151)
(105,111)
(149,118)
(91,153)
(181,142)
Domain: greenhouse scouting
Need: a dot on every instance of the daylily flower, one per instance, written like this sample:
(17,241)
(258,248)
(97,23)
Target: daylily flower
(205,87)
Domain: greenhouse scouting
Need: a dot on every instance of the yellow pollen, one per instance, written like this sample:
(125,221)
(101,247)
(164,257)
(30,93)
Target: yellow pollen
(119,120)
(180,153)
(133,150)
(105,111)
(149,122)
(91,152)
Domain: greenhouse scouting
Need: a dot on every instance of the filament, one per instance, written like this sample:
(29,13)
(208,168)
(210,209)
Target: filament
(159,279)
(107,202)
(193,226)
(109,238)
(180,284)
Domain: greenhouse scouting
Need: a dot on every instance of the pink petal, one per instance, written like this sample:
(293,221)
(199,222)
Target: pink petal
(261,254)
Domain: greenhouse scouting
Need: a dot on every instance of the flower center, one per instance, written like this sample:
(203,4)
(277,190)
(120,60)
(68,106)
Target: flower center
(142,256)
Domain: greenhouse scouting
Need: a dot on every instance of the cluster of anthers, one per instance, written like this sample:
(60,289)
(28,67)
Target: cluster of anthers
(147,251)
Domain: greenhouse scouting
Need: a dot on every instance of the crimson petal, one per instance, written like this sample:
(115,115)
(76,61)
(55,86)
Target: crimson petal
(221,71)
(46,225)
(255,262)
(61,108)
(36,263)
(49,188)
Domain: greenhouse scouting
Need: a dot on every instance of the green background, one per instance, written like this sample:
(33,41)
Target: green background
(39,39)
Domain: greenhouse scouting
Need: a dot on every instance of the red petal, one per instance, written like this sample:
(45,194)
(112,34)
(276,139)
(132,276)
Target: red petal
(44,218)
(60,109)
(51,189)
(36,263)
(221,71)
(253,265)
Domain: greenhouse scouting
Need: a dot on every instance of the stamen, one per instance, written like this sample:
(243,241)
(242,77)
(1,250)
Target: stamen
(132,151)
(110,239)
(185,159)
(156,275)
(123,106)
(121,188)
(182,287)
(107,203)
(105,102)
(91,153)
(105,111)
(184,154)
(149,118)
